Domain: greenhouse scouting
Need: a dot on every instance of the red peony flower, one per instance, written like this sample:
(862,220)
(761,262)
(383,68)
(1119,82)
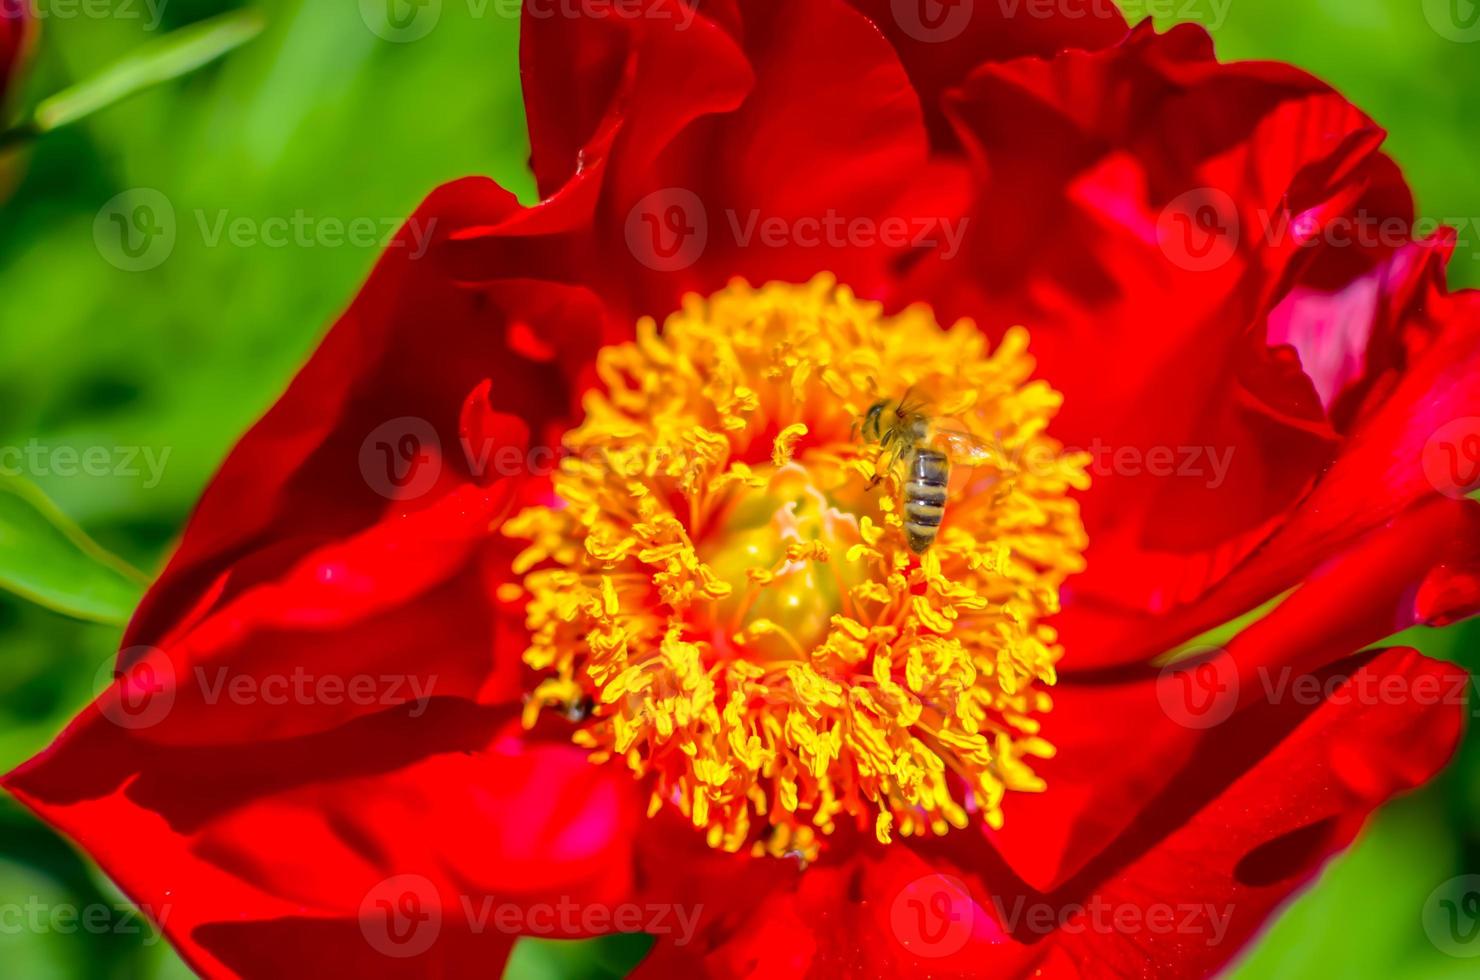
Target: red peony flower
(1190,352)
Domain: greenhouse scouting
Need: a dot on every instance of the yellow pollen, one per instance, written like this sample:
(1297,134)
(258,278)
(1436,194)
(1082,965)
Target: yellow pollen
(730,590)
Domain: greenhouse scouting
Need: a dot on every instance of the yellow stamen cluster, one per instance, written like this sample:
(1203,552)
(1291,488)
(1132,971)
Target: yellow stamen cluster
(731,588)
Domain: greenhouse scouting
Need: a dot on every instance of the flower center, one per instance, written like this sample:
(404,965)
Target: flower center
(772,548)
(782,613)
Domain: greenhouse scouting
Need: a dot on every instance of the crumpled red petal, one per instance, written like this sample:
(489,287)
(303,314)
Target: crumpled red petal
(941,42)
(269,858)
(1300,800)
(396,614)
(1182,890)
(1210,429)
(1406,448)
(369,430)
(1123,737)
(684,129)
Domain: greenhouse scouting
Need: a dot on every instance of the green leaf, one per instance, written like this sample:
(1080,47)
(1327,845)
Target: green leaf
(46,558)
(178,53)
(602,958)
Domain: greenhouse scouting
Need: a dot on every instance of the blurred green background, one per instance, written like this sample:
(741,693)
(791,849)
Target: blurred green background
(322,117)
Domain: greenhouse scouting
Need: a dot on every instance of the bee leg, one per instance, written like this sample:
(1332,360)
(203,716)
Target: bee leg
(894,455)
(881,470)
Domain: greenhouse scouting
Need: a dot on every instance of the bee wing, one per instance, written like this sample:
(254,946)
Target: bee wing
(964,448)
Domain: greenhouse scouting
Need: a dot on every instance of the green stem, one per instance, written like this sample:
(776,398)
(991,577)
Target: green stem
(73,532)
(1220,636)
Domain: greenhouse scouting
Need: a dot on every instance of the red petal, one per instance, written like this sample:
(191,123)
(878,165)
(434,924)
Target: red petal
(591,80)
(347,541)
(1237,829)
(1419,440)
(1240,827)
(1350,333)
(941,41)
(1122,741)
(1082,169)
(492,440)
(1206,433)
(396,614)
(266,858)
(879,912)
(1369,593)
(368,431)
(1242,853)
(1245,824)
(701,162)
(1451,592)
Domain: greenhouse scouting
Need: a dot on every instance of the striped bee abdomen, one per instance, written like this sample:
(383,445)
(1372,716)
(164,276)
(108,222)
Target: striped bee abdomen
(925,498)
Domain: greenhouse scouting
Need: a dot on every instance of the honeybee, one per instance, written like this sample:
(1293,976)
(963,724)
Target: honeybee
(926,449)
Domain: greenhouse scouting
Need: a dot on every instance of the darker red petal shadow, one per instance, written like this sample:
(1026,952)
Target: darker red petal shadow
(940,42)
(682,132)
(1123,737)
(385,388)
(291,841)
(1219,383)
